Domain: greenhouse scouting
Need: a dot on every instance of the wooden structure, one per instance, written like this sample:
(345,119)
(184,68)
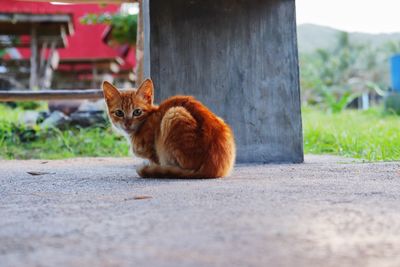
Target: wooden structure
(81,60)
(48,28)
(6,96)
(239,57)
(85,72)
(86,59)
(39,29)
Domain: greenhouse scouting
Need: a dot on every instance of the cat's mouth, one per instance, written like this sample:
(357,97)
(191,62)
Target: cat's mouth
(127,128)
(130,128)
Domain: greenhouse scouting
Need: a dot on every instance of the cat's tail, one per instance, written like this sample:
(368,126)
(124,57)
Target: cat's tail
(163,171)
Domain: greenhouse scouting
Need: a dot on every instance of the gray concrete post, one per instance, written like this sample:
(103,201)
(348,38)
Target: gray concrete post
(239,57)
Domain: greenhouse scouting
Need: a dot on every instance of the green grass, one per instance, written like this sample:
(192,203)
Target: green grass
(53,144)
(20,142)
(369,135)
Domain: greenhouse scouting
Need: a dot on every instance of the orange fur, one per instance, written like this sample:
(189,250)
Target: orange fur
(180,137)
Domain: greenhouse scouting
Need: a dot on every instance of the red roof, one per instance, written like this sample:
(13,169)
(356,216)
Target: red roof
(130,60)
(86,43)
(13,6)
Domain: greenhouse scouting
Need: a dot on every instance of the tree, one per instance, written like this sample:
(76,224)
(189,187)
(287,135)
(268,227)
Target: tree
(334,78)
(124,26)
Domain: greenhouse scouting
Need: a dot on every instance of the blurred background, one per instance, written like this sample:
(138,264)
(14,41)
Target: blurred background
(71,45)
(349,72)
(50,46)
(350,77)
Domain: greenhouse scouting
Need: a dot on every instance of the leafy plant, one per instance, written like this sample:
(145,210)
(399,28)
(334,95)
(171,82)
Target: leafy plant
(333,78)
(123,25)
(12,42)
(392,103)
(29,105)
(337,103)
(19,141)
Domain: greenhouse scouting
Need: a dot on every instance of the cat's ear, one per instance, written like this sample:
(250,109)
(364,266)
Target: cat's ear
(146,91)
(110,91)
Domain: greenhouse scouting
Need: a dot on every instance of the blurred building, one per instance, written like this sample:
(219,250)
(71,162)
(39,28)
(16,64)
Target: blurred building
(46,46)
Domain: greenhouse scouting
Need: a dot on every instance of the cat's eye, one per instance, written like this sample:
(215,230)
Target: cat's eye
(137,112)
(119,113)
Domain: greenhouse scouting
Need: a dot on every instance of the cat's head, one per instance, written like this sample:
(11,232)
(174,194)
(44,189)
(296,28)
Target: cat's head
(129,109)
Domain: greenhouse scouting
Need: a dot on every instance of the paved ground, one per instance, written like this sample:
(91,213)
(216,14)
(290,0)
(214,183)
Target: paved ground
(94,212)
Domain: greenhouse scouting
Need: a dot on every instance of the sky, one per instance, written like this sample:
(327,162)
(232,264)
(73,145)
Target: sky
(371,16)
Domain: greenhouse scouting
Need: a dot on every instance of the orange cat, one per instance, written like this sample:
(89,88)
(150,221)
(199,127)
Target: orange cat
(180,137)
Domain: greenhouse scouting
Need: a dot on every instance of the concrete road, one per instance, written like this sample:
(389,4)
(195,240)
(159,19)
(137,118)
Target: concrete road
(97,212)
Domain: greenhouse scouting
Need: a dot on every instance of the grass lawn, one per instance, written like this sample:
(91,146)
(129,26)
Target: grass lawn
(368,135)
(20,142)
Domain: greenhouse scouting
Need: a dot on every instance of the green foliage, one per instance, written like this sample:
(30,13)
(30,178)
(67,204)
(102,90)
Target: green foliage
(29,105)
(336,103)
(18,141)
(14,40)
(369,135)
(333,78)
(123,25)
(392,103)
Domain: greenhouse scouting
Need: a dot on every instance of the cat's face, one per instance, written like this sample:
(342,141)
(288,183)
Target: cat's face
(129,109)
